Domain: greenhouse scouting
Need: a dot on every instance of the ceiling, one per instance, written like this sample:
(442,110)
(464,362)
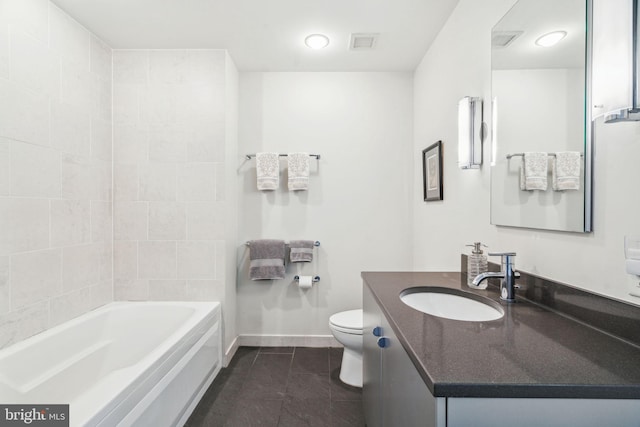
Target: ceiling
(268,35)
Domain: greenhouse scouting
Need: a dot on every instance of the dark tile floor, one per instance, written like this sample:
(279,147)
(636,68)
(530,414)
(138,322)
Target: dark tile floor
(280,386)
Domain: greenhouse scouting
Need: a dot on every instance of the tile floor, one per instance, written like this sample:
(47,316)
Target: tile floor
(280,386)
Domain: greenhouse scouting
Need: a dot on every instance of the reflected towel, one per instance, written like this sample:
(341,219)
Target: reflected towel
(565,171)
(266,259)
(301,250)
(268,171)
(298,164)
(533,175)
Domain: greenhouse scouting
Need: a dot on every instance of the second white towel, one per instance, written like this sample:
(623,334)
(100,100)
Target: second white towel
(565,171)
(533,175)
(298,171)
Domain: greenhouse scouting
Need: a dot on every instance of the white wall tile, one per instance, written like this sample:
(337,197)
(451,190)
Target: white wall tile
(130,67)
(196,260)
(168,66)
(205,220)
(130,220)
(23,323)
(24,115)
(25,225)
(70,222)
(130,142)
(30,285)
(158,104)
(101,139)
(4,51)
(198,103)
(33,65)
(167,290)
(101,182)
(205,290)
(106,261)
(66,307)
(197,182)
(5,285)
(101,221)
(32,16)
(131,290)
(5,167)
(125,259)
(206,66)
(167,221)
(101,99)
(221,188)
(100,58)
(125,181)
(157,260)
(126,103)
(69,38)
(157,182)
(75,178)
(168,143)
(207,142)
(80,266)
(101,294)
(77,85)
(70,129)
(35,171)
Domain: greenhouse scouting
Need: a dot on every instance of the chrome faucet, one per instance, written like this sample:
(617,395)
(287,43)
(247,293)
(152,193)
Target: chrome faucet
(507,274)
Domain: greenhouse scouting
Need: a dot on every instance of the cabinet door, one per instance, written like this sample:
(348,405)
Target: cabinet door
(371,375)
(407,400)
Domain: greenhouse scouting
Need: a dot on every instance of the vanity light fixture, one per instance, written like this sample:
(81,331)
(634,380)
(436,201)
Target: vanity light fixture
(316,41)
(470,133)
(551,39)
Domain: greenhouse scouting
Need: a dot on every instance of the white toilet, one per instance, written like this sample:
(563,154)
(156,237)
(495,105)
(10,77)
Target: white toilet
(346,327)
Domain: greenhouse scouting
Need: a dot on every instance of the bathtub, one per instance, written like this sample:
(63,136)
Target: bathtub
(124,364)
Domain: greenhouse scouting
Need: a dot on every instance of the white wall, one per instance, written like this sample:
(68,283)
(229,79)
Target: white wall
(55,169)
(358,203)
(458,64)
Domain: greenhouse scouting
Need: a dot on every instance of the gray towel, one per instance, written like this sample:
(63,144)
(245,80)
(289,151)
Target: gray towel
(301,250)
(266,259)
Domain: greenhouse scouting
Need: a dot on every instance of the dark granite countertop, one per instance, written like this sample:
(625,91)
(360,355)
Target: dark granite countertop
(530,352)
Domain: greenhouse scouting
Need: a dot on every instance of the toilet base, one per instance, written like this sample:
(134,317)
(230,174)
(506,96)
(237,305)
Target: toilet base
(351,369)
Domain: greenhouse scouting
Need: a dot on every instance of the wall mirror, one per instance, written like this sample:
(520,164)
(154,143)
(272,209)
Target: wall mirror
(540,95)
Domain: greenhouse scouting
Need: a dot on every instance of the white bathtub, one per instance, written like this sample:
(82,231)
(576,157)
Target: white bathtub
(127,363)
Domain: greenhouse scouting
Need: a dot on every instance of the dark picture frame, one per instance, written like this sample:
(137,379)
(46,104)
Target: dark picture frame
(432,172)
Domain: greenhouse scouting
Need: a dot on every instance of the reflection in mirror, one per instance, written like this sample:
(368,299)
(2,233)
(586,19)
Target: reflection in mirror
(539,91)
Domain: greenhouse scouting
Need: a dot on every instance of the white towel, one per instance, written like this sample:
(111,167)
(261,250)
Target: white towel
(268,171)
(533,175)
(565,171)
(298,171)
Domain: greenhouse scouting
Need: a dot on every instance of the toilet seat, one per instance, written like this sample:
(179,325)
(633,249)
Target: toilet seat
(348,322)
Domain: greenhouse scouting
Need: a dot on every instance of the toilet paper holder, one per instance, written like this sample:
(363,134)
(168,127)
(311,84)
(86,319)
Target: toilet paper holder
(315,279)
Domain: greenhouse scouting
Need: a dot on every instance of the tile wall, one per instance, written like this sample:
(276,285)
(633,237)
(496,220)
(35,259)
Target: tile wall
(55,169)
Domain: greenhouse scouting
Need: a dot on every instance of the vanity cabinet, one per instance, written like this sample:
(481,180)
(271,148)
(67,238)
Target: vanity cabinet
(394,394)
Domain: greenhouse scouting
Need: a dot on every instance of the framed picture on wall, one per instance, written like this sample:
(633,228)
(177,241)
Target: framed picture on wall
(432,172)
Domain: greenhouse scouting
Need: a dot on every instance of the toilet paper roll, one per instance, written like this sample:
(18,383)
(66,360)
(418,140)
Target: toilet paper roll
(305,282)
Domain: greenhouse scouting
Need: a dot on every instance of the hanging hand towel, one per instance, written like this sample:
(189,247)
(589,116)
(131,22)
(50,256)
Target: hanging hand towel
(533,175)
(268,171)
(298,171)
(301,250)
(266,259)
(565,171)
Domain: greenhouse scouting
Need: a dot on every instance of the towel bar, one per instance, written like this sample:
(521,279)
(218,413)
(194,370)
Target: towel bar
(316,243)
(315,279)
(251,156)
(522,154)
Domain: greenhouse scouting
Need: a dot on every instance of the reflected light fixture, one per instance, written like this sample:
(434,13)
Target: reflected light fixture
(551,39)
(470,133)
(316,41)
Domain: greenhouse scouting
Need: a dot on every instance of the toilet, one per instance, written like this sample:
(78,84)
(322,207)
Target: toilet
(346,327)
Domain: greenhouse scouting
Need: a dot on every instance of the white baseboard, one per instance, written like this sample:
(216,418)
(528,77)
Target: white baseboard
(231,351)
(288,341)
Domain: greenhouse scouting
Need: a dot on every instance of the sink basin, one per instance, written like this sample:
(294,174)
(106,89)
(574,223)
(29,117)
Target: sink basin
(452,304)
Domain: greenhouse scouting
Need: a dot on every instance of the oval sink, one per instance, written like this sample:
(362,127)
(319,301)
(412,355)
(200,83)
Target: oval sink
(452,304)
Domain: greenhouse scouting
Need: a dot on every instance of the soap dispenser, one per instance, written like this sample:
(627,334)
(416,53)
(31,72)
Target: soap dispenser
(476,264)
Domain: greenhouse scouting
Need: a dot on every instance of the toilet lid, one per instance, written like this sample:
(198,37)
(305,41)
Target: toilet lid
(348,321)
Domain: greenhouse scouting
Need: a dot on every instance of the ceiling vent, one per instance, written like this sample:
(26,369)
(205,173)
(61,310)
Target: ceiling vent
(504,38)
(363,41)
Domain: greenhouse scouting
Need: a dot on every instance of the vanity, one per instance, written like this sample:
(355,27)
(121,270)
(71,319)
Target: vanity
(534,366)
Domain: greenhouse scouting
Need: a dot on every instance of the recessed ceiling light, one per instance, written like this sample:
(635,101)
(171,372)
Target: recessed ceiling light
(551,39)
(316,41)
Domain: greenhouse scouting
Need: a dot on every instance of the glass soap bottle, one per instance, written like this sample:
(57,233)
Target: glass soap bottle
(476,264)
